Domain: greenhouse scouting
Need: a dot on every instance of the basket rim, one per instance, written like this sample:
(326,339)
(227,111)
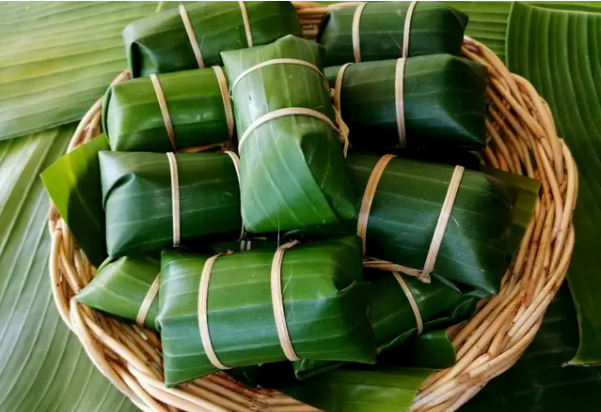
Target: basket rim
(523,140)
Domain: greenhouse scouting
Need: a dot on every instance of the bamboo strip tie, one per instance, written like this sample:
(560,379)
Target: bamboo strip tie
(399,101)
(356,35)
(147,302)
(236,162)
(441,225)
(203,319)
(249,36)
(164,110)
(412,302)
(174,198)
(278,301)
(227,103)
(191,36)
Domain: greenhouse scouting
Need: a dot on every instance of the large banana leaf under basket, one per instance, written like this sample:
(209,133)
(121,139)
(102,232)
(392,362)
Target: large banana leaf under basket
(522,140)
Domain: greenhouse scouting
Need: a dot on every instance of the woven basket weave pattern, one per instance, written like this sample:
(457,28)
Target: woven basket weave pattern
(522,140)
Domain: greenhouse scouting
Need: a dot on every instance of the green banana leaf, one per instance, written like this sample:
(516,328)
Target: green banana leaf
(243,245)
(73,183)
(325,302)
(293,172)
(160,44)
(355,389)
(120,286)
(556,50)
(432,350)
(435,28)
(137,198)
(443,102)
(43,366)
(409,196)
(487,22)
(132,118)
(57,58)
(392,317)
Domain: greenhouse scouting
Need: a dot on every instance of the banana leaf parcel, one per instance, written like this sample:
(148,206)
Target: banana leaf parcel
(169,112)
(376,31)
(323,298)
(155,200)
(293,172)
(407,199)
(435,101)
(192,36)
(126,288)
(399,307)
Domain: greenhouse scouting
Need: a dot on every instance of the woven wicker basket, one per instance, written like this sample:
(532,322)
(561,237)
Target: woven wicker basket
(522,139)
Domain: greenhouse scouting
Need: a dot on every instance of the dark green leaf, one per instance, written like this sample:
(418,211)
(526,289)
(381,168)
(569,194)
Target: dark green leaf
(160,44)
(405,209)
(443,102)
(137,198)
(325,304)
(435,28)
(133,121)
(377,389)
(73,183)
(557,51)
(293,172)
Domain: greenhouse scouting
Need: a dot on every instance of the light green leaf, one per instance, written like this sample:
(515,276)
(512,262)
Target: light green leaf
(487,22)
(58,58)
(558,52)
(43,367)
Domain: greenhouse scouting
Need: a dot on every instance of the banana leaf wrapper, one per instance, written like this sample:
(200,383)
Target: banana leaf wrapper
(160,43)
(474,252)
(325,304)
(132,118)
(293,172)
(392,317)
(443,103)
(435,28)
(121,286)
(137,198)
(355,388)
(73,184)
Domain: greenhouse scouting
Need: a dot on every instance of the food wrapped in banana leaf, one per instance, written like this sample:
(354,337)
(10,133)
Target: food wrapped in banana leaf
(127,288)
(155,200)
(435,101)
(434,221)
(256,307)
(293,172)
(387,30)
(192,36)
(400,307)
(169,112)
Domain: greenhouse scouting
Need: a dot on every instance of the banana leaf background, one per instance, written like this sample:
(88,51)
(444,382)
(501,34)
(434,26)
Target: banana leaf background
(56,60)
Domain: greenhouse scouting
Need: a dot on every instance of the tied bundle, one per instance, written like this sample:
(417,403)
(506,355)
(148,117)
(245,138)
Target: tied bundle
(388,30)
(192,36)
(291,142)
(435,101)
(169,112)
(428,220)
(256,307)
(400,307)
(155,200)
(127,288)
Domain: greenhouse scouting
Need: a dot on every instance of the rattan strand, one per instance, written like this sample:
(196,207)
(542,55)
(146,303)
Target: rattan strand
(522,139)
